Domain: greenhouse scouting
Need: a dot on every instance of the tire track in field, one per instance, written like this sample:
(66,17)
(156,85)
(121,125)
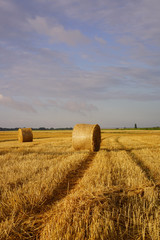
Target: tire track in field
(114,146)
(70,181)
(28,231)
(147,171)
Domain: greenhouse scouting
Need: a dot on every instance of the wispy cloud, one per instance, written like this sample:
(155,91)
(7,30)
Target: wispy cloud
(11,103)
(57,33)
(140,18)
(100,40)
(6,5)
(47,73)
(79,107)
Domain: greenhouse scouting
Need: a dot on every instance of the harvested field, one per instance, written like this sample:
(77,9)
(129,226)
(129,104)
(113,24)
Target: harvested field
(50,191)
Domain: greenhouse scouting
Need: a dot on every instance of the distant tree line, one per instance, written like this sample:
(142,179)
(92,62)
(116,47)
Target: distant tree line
(41,128)
(144,128)
(70,128)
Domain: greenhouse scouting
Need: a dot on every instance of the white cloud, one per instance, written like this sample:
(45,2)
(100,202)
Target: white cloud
(7,5)
(140,18)
(57,32)
(100,40)
(46,73)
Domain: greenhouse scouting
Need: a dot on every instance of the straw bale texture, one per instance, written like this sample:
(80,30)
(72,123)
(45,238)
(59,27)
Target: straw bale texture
(25,135)
(86,137)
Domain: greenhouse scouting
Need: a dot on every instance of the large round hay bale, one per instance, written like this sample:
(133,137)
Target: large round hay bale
(25,135)
(86,137)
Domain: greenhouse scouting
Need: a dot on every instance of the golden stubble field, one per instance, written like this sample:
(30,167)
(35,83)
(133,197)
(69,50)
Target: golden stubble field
(49,191)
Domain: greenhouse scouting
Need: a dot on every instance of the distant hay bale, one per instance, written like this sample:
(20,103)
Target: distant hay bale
(86,137)
(25,135)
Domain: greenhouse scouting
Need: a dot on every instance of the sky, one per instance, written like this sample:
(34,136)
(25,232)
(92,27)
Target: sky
(64,62)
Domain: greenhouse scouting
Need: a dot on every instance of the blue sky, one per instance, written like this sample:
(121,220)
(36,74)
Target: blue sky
(64,62)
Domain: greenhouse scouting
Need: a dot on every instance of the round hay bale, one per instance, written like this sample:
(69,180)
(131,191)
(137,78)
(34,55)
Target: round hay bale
(86,137)
(25,135)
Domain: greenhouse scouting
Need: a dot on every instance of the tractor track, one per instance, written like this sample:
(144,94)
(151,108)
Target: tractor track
(71,180)
(64,188)
(146,170)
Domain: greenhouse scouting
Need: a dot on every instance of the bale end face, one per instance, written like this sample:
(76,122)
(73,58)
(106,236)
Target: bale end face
(96,141)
